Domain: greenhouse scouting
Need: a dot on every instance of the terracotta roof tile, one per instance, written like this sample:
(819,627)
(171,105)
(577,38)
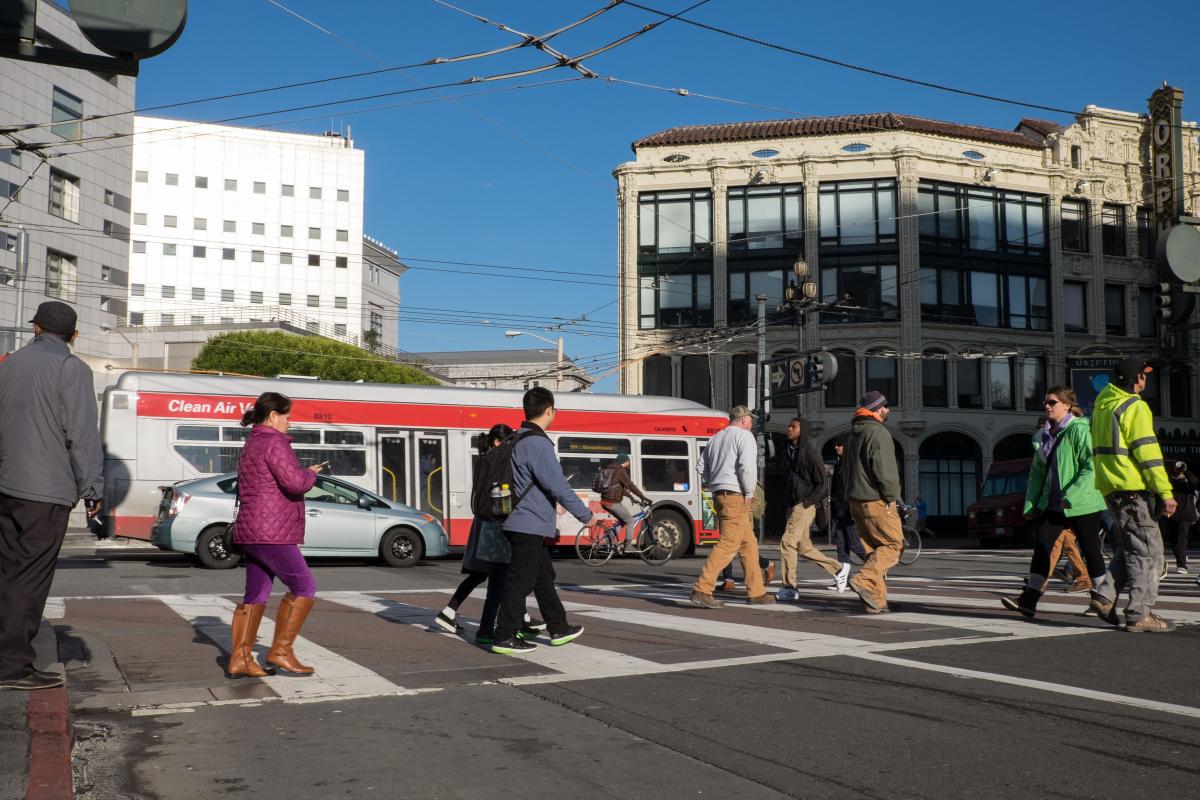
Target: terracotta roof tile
(1041,127)
(829,126)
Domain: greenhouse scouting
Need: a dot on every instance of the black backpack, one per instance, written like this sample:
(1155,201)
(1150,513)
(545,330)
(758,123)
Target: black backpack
(494,468)
(604,480)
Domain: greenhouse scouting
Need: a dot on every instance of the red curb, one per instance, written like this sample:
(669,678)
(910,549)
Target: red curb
(49,722)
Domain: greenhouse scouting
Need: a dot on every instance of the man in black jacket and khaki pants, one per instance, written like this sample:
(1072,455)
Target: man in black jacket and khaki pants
(806,489)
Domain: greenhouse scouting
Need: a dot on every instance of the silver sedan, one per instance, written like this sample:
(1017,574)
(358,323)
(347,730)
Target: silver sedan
(343,521)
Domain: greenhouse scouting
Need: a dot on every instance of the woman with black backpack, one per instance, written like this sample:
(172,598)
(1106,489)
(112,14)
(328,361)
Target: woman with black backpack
(485,559)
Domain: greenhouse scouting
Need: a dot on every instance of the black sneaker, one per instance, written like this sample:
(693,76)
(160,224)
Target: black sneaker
(513,646)
(535,625)
(33,680)
(570,634)
(447,623)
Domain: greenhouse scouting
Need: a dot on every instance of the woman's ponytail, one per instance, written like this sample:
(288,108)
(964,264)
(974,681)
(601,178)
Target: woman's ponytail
(263,406)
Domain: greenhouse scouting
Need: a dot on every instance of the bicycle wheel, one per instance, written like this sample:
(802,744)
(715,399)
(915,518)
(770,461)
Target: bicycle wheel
(657,544)
(912,546)
(594,545)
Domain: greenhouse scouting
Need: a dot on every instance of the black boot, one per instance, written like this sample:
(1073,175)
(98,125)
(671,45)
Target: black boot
(1026,603)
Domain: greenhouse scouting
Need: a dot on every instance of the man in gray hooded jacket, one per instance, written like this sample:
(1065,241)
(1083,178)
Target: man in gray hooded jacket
(50,459)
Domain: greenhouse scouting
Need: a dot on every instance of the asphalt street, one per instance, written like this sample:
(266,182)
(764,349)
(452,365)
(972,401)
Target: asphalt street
(948,696)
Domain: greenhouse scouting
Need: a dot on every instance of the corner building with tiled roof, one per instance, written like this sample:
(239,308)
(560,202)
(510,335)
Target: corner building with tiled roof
(971,268)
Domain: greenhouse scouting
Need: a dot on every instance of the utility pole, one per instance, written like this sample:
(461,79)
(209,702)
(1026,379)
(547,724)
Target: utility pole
(22,274)
(761,382)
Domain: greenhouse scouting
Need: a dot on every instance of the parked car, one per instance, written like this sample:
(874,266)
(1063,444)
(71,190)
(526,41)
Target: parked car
(997,514)
(343,521)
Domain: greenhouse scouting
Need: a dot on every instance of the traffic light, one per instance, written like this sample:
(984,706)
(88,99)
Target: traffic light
(822,368)
(1162,301)
(1173,303)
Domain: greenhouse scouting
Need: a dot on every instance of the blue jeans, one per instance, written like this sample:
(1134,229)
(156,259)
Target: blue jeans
(845,537)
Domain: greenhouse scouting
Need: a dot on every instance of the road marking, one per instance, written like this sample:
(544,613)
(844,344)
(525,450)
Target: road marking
(337,678)
(1029,683)
(56,608)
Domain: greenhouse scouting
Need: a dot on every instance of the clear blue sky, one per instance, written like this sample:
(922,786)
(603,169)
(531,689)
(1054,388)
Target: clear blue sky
(524,179)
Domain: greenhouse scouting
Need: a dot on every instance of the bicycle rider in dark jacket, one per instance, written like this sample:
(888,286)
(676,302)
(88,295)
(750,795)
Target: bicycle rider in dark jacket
(619,486)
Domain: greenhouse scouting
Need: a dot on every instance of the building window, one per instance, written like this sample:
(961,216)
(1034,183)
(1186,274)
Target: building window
(1112,229)
(227,295)
(842,392)
(226,320)
(339,329)
(1076,156)
(285,298)
(882,377)
(745,287)
(66,114)
(256,298)
(115,230)
(200,223)
(1074,225)
(64,195)
(859,290)
(314,260)
(341,262)
(228,254)
(201,182)
(170,221)
(139,247)
(260,187)
(137,290)
(950,466)
(230,185)
(166,320)
(1000,383)
(740,373)
(1033,383)
(1114,309)
(314,193)
(695,379)
(197,292)
(136,317)
(168,249)
(975,218)
(1075,316)
(858,212)
(343,235)
(230,226)
(1028,303)
(285,258)
(314,301)
(1180,391)
(285,230)
(1145,234)
(257,228)
(199,251)
(141,176)
(287,190)
(343,195)
(339,302)
(656,376)
(1147,318)
(168,292)
(376,322)
(116,200)
(314,233)
(766,217)
(197,319)
(969,372)
(139,218)
(676,301)
(256,256)
(10,156)
(935,390)
(674,222)
(171,179)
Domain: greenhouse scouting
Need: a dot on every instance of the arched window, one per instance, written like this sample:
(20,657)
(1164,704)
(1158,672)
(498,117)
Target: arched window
(969,372)
(695,380)
(882,377)
(950,471)
(841,392)
(935,391)
(1018,445)
(739,376)
(656,376)
(1181,391)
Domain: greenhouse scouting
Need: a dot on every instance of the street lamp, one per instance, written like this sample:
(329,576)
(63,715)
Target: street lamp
(132,344)
(558,372)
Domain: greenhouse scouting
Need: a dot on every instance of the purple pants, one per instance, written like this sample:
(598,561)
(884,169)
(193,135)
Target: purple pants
(266,562)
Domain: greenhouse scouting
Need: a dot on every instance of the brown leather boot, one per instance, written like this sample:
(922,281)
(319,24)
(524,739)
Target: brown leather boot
(242,663)
(289,619)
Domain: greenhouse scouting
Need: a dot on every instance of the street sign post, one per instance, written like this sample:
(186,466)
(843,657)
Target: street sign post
(798,374)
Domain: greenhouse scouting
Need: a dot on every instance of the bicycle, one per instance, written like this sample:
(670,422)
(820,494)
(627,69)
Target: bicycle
(654,543)
(910,549)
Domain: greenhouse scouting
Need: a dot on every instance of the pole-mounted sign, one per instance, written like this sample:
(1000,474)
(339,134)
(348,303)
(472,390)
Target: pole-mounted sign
(799,374)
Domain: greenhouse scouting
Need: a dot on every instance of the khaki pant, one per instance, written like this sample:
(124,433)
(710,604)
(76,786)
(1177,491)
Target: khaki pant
(1066,541)
(737,539)
(879,528)
(797,542)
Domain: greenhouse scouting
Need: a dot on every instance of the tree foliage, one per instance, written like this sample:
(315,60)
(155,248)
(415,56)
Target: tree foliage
(271,353)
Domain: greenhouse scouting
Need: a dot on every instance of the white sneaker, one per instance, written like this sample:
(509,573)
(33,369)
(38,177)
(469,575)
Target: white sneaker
(1181,570)
(841,581)
(787,593)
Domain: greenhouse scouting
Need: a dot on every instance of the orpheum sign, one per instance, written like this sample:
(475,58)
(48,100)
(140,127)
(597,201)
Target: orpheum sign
(1166,154)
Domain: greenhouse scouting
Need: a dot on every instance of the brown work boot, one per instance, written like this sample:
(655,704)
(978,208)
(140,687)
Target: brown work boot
(769,573)
(706,600)
(289,619)
(1151,623)
(1104,610)
(242,663)
(1081,585)
(764,599)
(870,602)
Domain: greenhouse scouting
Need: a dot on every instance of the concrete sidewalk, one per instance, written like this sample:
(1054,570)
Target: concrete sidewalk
(35,734)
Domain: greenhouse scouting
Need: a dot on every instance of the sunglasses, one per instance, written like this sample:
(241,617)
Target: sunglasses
(1050,403)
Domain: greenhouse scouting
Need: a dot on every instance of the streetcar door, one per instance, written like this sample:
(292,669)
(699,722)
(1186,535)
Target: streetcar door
(393,468)
(429,454)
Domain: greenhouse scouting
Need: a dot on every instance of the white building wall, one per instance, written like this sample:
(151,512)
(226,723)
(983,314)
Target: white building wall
(261,163)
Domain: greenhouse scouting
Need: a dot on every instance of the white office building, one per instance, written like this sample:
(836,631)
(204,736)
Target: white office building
(235,226)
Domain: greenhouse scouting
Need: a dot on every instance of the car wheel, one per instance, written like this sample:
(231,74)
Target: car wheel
(401,547)
(214,550)
(679,529)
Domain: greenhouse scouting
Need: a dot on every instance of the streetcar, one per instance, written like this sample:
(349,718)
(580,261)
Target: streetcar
(409,444)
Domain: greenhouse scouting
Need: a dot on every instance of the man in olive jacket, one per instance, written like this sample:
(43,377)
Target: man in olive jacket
(872,490)
(50,458)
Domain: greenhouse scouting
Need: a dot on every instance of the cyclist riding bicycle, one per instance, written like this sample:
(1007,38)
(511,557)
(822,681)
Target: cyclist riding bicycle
(613,483)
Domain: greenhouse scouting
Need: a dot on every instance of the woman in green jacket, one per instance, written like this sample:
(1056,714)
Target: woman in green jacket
(1061,494)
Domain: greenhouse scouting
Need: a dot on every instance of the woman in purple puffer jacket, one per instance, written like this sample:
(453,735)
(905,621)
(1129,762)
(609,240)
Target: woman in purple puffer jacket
(269,530)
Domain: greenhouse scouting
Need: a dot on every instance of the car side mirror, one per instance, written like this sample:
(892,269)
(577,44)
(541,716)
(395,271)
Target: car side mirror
(365,503)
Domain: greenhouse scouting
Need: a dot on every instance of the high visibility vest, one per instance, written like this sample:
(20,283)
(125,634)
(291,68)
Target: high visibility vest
(1126,455)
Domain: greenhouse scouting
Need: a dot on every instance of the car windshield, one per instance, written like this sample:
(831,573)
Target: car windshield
(1001,485)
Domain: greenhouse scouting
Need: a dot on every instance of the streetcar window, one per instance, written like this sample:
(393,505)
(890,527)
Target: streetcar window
(665,466)
(344,437)
(581,471)
(235,434)
(209,459)
(197,433)
(341,462)
(305,435)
